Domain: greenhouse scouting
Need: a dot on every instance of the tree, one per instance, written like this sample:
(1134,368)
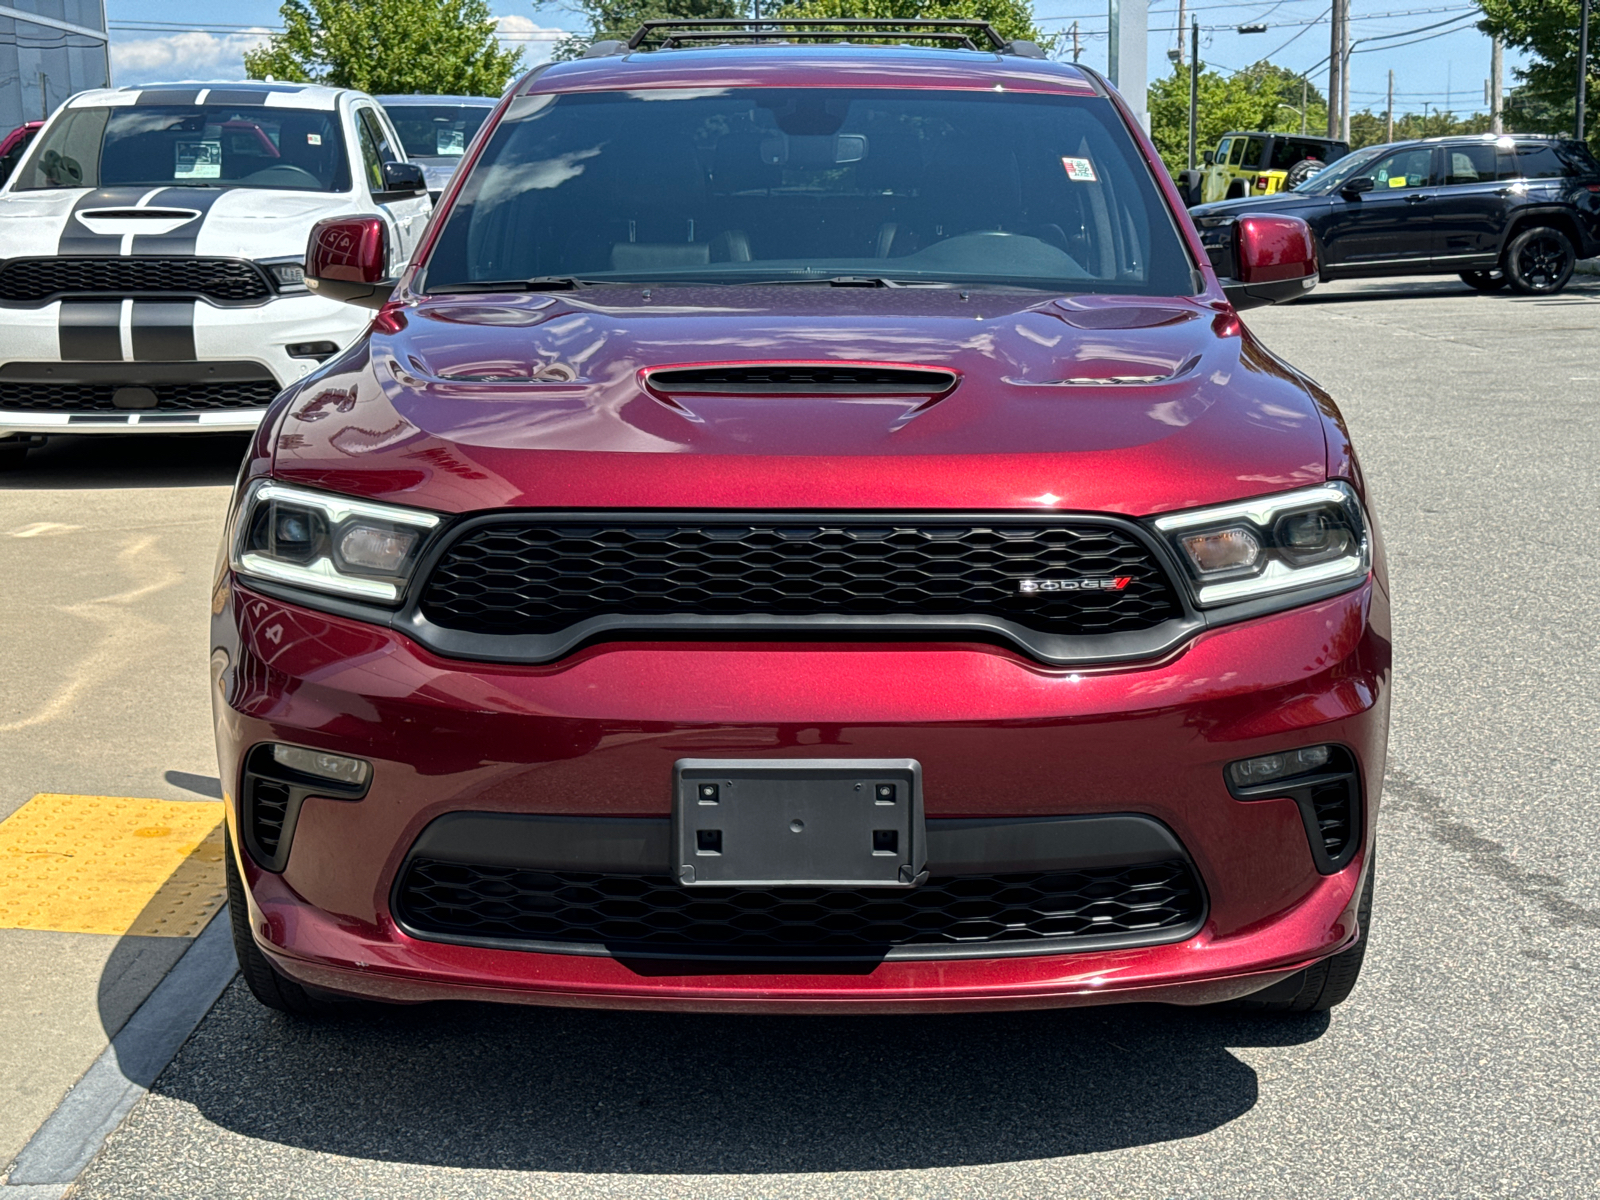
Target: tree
(436,47)
(1548,89)
(1257,97)
(1372,129)
(620,18)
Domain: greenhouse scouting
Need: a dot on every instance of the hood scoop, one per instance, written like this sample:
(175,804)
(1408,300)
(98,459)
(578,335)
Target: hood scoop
(800,380)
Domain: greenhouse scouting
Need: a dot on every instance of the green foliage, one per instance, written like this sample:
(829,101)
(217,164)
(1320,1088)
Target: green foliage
(1262,96)
(620,18)
(436,47)
(1371,129)
(1545,101)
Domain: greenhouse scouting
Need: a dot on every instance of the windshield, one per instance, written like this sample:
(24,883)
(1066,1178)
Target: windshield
(436,130)
(1329,179)
(742,186)
(234,145)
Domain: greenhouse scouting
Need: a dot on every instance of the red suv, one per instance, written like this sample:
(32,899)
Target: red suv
(807,532)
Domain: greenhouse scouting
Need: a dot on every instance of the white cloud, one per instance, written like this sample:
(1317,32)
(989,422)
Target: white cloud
(191,55)
(535,41)
(205,56)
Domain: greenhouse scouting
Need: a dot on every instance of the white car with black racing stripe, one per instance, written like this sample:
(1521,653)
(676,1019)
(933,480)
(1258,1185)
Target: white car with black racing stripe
(151,250)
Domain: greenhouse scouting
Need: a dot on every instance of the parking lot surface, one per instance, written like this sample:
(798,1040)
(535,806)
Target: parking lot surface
(1464,1064)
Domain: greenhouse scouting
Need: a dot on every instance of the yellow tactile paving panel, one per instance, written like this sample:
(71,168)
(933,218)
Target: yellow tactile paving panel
(110,864)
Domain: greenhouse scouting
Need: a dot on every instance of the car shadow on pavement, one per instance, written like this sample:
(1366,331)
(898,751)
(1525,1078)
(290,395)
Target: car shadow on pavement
(131,461)
(530,1089)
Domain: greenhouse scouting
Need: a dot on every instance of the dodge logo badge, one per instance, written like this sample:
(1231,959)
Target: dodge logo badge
(1029,587)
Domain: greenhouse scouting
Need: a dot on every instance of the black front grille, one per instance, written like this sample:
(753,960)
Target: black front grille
(32,280)
(801,379)
(536,576)
(650,914)
(26,396)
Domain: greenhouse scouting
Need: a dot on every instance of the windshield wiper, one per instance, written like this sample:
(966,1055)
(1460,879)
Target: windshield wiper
(865,281)
(539,283)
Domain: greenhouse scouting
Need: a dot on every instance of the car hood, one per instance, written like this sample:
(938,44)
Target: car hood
(219,222)
(1290,204)
(1105,403)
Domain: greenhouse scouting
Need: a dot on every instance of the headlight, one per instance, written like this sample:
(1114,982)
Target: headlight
(327,543)
(1271,544)
(289,274)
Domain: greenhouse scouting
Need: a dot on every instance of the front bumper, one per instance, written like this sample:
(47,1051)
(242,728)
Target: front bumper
(257,335)
(996,735)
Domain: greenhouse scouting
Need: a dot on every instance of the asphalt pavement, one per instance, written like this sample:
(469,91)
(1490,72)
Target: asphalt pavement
(1464,1065)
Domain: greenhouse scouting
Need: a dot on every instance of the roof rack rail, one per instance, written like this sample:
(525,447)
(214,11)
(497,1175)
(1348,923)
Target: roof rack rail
(671,34)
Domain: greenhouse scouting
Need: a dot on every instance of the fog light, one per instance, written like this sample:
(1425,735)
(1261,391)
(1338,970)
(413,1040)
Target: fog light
(375,548)
(1250,771)
(328,766)
(1224,550)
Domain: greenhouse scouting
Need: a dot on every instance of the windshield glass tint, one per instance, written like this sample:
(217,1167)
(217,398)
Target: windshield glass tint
(744,186)
(1331,178)
(436,130)
(187,146)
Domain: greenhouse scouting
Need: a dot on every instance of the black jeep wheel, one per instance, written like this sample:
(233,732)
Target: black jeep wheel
(1484,281)
(1539,261)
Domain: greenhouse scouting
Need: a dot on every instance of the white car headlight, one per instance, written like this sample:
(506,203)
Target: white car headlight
(327,543)
(1271,544)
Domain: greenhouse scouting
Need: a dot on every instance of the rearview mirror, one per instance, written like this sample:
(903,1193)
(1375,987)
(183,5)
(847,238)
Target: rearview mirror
(1354,187)
(347,259)
(1261,259)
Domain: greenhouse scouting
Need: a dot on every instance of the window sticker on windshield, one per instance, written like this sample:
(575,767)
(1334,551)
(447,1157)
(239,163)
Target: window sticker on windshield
(1079,170)
(313,139)
(198,160)
(449,141)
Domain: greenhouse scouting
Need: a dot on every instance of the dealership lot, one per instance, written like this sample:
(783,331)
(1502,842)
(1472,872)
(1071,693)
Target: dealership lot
(1463,1065)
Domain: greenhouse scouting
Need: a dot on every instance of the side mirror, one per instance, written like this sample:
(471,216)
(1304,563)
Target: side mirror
(347,259)
(1261,259)
(401,180)
(1210,158)
(1354,187)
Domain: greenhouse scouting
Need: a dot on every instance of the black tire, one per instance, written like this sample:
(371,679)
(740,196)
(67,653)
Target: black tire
(1484,281)
(1539,261)
(1302,171)
(260,976)
(1319,987)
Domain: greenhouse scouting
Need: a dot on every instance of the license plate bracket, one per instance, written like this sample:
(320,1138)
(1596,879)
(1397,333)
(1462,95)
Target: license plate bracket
(853,822)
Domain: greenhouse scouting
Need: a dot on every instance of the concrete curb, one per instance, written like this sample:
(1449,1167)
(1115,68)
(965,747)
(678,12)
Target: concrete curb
(109,1089)
(1587,266)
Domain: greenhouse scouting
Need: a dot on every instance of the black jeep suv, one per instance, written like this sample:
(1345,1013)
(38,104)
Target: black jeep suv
(1518,210)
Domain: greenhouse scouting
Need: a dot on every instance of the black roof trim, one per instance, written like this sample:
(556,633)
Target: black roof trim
(672,34)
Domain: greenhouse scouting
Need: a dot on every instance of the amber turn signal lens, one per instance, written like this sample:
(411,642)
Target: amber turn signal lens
(1224,550)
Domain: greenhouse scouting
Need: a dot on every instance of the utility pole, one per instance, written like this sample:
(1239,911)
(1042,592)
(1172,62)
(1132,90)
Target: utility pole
(1583,65)
(1334,63)
(1305,85)
(1388,133)
(1194,91)
(1344,70)
(1077,46)
(1497,121)
(1182,9)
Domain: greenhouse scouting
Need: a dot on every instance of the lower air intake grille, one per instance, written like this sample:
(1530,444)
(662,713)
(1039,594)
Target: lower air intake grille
(537,576)
(1335,816)
(648,914)
(23,396)
(31,280)
(268,806)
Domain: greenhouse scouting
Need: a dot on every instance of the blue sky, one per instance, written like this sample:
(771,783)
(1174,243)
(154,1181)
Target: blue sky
(1444,69)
